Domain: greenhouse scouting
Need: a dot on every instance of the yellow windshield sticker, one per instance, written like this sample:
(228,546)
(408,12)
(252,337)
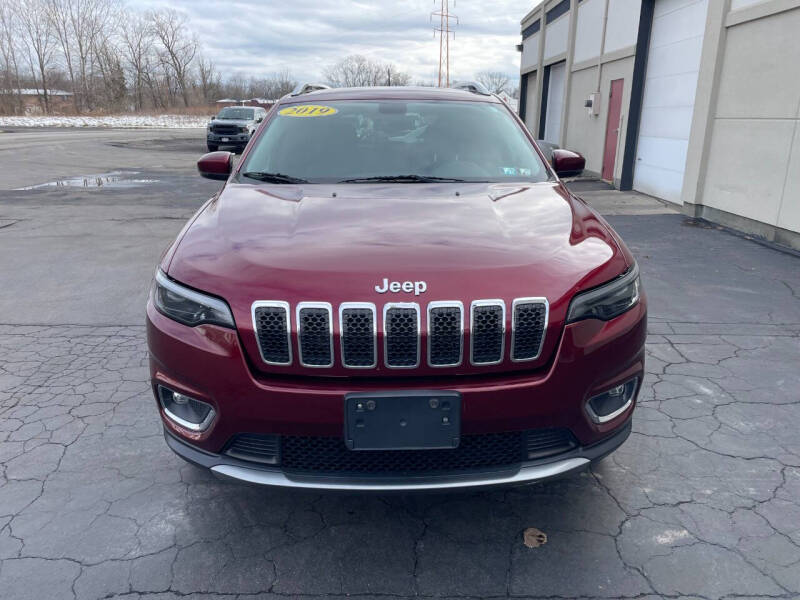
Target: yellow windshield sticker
(308,110)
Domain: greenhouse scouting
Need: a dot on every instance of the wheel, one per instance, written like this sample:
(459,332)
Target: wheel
(212,147)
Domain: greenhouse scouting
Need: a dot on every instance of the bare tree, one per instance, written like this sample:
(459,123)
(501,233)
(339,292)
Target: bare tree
(58,15)
(39,42)
(209,77)
(236,87)
(157,82)
(136,39)
(9,33)
(395,77)
(82,27)
(494,81)
(111,57)
(112,73)
(178,45)
(279,84)
(359,71)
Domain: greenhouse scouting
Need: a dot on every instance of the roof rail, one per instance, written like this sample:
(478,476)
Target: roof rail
(471,86)
(305,88)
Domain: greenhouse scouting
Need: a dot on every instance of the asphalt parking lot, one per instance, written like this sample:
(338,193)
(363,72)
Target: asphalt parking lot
(703,500)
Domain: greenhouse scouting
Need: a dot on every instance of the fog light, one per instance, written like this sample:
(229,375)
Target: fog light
(185,411)
(613,402)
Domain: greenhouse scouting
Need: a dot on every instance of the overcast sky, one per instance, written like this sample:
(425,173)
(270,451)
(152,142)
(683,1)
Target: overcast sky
(263,36)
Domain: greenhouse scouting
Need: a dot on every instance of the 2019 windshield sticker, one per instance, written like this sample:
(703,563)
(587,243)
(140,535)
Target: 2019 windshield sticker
(308,110)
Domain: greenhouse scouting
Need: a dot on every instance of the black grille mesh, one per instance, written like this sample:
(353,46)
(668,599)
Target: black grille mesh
(402,339)
(444,335)
(255,447)
(358,337)
(487,334)
(547,442)
(529,323)
(401,334)
(271,330)
(314,336)
(329,455)
(225,129)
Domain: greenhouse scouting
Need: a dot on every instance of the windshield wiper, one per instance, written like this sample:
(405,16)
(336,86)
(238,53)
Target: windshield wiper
(273,177)
(402,179)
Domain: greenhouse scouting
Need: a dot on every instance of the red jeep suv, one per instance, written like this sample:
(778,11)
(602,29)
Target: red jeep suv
(393,290)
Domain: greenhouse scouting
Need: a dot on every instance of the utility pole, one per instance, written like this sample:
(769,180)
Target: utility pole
(444,32)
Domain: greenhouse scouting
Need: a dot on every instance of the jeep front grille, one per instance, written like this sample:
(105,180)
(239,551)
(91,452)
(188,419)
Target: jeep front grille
(358,334)
(528,320)
(315,334)
(488,329)
(445,334)
(401,335)
(271,322)
(443,327)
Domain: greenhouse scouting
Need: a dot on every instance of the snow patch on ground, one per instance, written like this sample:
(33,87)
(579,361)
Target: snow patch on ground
(119,121)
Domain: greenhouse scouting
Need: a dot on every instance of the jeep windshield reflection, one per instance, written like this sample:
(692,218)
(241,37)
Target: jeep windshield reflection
(393,141)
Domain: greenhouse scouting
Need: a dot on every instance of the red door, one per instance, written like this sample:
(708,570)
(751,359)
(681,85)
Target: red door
(612,129)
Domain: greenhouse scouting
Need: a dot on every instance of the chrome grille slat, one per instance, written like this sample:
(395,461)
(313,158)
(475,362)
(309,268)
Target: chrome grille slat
(315,334)
(487,331)
(528,327)
(401,331)
(271,324)
(358,333)
(445,333)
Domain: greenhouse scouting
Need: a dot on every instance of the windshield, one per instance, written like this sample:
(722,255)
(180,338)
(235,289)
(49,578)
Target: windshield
(364,141)
(231,112)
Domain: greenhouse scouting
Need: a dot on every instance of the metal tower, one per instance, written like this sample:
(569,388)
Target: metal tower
(444,32)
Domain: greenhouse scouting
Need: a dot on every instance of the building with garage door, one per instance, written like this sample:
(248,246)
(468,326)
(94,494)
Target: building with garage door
(696,102)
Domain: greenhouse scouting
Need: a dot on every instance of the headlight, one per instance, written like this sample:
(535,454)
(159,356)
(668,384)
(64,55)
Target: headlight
(187,306)
(607,301)
(243,129)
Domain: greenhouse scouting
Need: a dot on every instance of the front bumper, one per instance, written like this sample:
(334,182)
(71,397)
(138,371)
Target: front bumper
(526,473)
(208,363)
(231,138)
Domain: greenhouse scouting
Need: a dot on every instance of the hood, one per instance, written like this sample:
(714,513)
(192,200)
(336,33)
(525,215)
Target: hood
(337,243)
(237,122)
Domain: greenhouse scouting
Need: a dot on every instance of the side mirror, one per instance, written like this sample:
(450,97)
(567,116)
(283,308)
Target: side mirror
(213,117)
(567,164)
(215,165)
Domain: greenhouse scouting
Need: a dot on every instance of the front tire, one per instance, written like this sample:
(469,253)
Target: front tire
(212,147)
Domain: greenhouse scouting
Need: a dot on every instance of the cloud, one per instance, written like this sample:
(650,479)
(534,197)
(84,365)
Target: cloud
(252,37)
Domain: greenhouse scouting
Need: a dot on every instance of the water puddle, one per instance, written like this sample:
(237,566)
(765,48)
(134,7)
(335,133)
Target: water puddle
(113,179)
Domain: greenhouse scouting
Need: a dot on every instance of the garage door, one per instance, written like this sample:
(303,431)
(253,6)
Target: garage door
(555,103)
(530,100)
(673,63)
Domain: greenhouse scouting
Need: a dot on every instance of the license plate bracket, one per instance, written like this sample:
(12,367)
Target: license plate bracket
(407,420)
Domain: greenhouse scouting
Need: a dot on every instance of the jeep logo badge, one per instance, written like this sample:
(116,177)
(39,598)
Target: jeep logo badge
(418,287)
